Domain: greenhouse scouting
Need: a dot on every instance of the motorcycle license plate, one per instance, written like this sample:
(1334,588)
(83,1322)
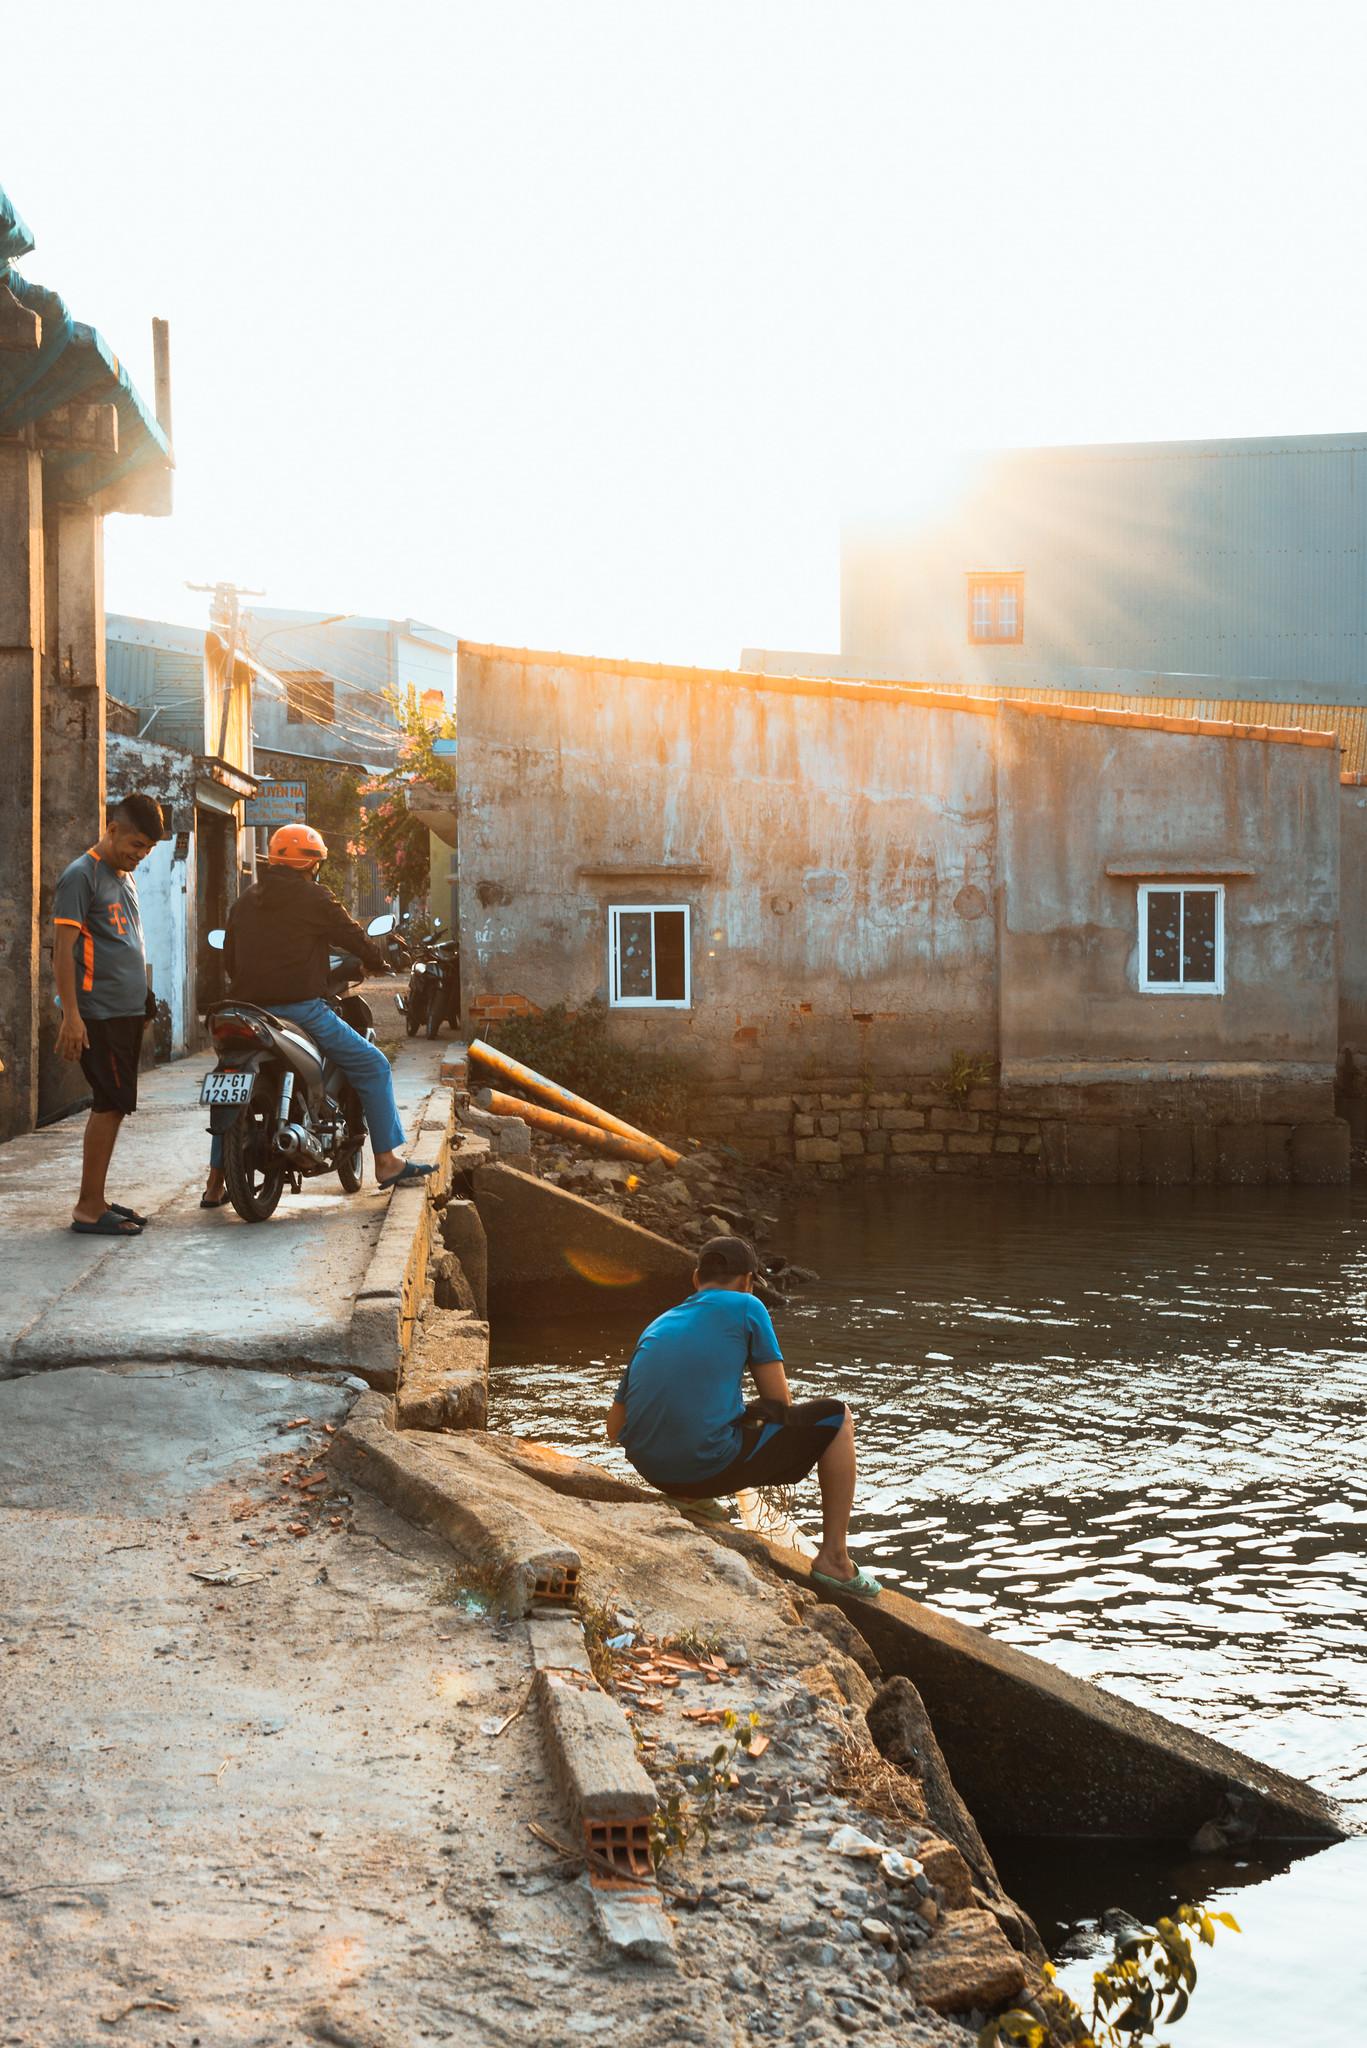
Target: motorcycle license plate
(221,1089)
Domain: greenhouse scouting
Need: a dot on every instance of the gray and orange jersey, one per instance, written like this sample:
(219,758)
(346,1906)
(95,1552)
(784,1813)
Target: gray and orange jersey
(111,964)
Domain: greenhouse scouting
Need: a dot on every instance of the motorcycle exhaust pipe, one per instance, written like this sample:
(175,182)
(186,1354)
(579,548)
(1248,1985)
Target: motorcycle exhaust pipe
(293,1140)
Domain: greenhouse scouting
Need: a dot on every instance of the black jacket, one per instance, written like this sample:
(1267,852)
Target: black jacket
(280,932)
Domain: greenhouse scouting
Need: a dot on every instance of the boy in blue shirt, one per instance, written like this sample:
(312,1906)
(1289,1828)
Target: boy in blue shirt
(683,1421)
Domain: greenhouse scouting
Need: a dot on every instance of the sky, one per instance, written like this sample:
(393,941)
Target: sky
(582,324)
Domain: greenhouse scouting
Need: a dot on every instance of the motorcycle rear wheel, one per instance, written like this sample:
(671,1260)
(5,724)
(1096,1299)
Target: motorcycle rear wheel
(253,1189)
(351,1168)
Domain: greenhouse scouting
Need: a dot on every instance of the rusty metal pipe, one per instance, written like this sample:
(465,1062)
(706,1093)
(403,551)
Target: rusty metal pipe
(564,1099)
(613,1143)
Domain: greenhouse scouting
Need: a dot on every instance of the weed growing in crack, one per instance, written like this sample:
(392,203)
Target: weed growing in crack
(689,1815)
(598,1623)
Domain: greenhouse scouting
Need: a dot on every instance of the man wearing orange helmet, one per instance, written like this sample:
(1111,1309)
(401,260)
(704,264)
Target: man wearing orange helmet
(280,934)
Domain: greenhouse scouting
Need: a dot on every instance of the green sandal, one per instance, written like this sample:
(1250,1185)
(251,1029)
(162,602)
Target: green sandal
(862,1585)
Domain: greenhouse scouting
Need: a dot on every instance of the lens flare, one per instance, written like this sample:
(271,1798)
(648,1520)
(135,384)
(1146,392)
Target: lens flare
(601,1271)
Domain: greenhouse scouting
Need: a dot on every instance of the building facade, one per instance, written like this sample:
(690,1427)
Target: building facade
(915,930)
(1212,579)
(77,443)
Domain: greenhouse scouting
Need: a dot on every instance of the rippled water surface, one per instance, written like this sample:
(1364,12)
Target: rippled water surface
(1120,1428)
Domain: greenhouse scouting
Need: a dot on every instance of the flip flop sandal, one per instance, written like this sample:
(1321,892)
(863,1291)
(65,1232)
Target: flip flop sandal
(217,1201)
(408,1173)
(862,1585)
(700,1510)
(110,1224)
(117,1209)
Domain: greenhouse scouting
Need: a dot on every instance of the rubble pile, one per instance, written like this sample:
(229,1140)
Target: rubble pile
(710,1192)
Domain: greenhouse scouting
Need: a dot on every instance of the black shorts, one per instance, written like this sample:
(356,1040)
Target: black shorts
(110,1061)
(779,1446)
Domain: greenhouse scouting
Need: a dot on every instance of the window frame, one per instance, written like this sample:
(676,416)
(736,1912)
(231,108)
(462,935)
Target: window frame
(616,1000)
(996,581)
(1176,886)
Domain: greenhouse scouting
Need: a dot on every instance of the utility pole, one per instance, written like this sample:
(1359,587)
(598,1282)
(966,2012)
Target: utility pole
(225,614)
(225,611)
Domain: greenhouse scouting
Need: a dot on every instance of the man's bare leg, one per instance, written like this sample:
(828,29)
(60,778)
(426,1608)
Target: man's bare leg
(835,1472)
(101,1132)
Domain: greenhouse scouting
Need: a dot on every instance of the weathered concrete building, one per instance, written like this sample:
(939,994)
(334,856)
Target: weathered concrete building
(1212,579)
(909,930)
(76,443)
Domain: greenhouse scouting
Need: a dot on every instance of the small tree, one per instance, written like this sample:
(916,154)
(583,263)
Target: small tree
(396,840)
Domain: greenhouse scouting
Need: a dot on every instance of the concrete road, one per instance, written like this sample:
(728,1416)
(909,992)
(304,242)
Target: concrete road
(257,1790)
(198,1284)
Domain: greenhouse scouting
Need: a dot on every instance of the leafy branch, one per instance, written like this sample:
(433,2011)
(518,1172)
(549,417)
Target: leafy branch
(1147,1984)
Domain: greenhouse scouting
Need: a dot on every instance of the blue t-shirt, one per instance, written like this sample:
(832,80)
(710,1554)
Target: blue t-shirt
(682,1390)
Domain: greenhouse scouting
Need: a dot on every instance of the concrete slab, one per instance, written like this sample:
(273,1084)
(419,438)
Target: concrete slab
(539,1234)
(96,1438)
(1035,1751)
(198,1284)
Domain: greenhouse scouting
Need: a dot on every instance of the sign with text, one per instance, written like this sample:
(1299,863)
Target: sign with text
(277,803)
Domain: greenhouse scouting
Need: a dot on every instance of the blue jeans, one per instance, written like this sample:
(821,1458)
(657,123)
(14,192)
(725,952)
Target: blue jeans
(364,1065)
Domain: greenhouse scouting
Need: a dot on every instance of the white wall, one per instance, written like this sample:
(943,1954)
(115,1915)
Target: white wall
(167,914)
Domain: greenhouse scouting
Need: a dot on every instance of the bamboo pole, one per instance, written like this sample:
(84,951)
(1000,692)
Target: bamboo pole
(564,1099)
(613,1143)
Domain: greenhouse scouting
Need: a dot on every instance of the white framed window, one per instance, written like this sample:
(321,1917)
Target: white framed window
(649,948)
(996,606)
(1182,938)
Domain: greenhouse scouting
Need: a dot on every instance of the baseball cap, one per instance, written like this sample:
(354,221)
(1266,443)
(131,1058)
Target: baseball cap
(726,1258)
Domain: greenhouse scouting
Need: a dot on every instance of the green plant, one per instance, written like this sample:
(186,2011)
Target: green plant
(576,1048)
(399,842)
(683,1816)
(967,1071)
(1147,1984)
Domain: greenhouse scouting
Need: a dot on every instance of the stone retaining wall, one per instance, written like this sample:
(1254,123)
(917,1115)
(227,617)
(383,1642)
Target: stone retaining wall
(838,1128)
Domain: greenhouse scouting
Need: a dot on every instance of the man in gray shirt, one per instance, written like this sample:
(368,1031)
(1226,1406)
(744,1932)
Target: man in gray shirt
(101,973)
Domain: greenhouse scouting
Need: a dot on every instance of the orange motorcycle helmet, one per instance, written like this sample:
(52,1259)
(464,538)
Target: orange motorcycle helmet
(296,846)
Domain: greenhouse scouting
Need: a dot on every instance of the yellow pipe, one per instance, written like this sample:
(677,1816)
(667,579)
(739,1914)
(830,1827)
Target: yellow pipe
(564,1099)
(550,1120)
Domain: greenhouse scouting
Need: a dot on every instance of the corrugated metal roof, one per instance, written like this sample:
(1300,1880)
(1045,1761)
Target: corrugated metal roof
(72,362)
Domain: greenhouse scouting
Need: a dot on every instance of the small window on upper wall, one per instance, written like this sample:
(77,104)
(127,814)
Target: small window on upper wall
(309,696)
(996,607)
(649,956)
(1182,939)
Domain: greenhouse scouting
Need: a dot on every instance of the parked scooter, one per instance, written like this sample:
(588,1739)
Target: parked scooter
(433,995)
(284,1111)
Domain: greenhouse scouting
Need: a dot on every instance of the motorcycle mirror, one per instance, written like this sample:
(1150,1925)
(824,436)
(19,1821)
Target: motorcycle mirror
(437,924)
(378,926)
(216,938)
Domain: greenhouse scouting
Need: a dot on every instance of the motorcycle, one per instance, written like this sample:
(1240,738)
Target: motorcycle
(285,1112)
(433,996)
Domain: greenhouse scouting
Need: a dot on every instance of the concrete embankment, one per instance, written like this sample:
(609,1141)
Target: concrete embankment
(1035,1751)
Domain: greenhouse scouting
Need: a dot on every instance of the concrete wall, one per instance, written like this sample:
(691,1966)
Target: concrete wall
(1230,560)
(1079,795)
(1353,912)
(834,843)
(365,657)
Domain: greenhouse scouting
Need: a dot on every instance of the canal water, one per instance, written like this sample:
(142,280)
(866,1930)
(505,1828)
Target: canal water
(1122,1429)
